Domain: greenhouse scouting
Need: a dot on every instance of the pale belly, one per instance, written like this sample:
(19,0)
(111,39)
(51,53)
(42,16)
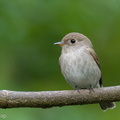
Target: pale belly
(80,71)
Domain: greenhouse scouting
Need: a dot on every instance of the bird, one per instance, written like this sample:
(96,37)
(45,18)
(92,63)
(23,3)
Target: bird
(79,64)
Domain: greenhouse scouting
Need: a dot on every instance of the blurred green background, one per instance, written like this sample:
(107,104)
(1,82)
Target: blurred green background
(29,60)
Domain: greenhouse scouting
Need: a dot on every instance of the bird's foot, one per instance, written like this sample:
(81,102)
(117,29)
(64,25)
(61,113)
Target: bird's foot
(91,89)
(78,89)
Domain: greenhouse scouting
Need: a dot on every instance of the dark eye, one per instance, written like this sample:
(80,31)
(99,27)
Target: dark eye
(73,41)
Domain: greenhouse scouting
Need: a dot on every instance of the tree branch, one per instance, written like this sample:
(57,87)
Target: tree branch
(47,99)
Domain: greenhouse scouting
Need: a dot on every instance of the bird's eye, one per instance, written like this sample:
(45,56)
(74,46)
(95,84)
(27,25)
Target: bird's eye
(73,41)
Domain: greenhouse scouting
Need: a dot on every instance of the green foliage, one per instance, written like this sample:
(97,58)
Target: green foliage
(29,60)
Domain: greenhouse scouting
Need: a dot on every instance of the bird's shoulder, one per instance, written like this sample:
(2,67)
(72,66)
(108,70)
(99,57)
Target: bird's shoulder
(94,56)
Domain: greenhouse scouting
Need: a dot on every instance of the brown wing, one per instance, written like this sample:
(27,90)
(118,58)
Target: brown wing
(97,62)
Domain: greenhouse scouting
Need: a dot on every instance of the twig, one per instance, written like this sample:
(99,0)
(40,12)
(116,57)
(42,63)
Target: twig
(47,99)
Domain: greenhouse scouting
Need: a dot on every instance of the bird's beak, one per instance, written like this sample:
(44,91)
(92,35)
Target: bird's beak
(59,43)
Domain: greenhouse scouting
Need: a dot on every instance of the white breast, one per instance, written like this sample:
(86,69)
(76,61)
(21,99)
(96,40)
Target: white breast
(79,69)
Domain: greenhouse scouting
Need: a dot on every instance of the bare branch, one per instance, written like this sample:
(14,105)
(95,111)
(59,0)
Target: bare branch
(47,99)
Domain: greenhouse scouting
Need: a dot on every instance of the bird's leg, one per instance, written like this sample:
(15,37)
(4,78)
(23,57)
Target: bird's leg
(78,89)
(91,89)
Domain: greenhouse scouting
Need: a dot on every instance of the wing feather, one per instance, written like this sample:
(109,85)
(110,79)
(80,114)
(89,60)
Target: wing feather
(91,51)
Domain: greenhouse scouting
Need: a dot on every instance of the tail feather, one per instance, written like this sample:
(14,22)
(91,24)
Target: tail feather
(105,105)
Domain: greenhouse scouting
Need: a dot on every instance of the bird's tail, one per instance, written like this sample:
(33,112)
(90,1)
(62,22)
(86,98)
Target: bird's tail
(105,105)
